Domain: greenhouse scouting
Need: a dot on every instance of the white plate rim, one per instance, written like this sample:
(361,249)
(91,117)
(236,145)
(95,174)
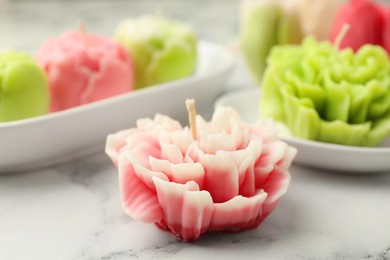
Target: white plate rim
(110,100)
(214,65)
(223,100)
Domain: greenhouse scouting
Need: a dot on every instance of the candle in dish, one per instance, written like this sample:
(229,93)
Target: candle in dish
(83,67)
(23,87)
(264,24)
(222,175)
(324,94)
(162,49)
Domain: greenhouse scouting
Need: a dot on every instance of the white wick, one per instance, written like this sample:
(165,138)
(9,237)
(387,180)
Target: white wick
(341,35)
(190,104)
(83,31)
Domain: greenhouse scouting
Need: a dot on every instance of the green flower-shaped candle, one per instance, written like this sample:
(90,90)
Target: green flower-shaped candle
(327,95)
(162,49)
(264,24)
(23,87)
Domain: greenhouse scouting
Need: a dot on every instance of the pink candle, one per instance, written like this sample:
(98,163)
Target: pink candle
(229,178)
(366,21)
(83,68)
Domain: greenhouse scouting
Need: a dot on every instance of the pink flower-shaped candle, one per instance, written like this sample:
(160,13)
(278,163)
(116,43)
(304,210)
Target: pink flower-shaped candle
(83,67)
(229,177)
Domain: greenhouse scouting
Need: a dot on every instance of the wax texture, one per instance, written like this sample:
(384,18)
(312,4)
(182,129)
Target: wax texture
(84,68)
(324,94)
(229,179)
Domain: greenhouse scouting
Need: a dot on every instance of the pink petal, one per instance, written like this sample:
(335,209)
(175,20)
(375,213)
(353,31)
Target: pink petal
(261,174)
(179,173)
(197,212)
(115,142)
(276,186)
(145,175)
(182,139)
(138,201)
(142,151)
(245,160)
(184,172)
(127,140)
(193,153)
(276,153)
(116,74)
(138,137)
(221,177)
(240,135)
(159,165)
(171,153)
(288,158)
(238,213)
(167,123)
(211,143)
(62,96)
(145,124)
(222,117)
(264,130)
(160,122)
(171,198)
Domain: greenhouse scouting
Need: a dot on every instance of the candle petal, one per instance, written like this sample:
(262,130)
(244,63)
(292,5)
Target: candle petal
(238,213)
(138,200)
(275,186)
(115,142)
(171,153)
(197,213)
(171,198)
(245,160)
(179,173)
(221,176)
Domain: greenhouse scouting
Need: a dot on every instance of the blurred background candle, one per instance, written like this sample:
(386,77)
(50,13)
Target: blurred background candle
(162,49)
(23,87)
(84,67)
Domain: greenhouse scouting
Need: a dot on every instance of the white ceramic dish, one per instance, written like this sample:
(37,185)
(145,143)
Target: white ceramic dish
(316,154)
(57,137)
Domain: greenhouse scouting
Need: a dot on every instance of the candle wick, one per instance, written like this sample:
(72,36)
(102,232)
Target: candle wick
(341,35)
(190,104)
(83,31)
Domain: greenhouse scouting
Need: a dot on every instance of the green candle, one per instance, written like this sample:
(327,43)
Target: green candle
(264,24)
(162,49)
(323,94)
(23,87)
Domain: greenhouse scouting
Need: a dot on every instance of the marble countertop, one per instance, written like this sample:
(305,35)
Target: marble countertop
(73,211)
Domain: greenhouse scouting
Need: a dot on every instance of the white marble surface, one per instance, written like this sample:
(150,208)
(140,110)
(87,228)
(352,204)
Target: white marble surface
(72,211)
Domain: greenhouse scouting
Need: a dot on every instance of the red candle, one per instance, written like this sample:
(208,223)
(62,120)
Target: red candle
(366,22)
